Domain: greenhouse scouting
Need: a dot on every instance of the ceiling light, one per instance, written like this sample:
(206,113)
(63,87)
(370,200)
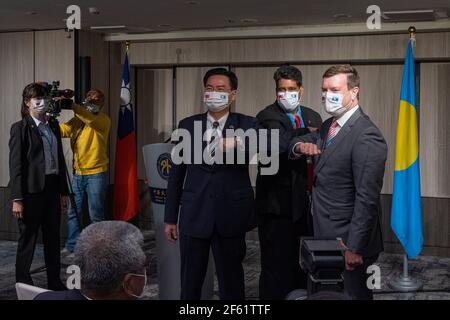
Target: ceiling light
(342,16)
(107,27)
(249,20)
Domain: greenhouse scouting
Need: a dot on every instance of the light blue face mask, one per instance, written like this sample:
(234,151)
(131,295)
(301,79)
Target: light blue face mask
(90,107)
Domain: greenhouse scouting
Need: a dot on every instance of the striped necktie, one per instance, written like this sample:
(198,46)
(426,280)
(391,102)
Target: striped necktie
(214,141)
(332,132)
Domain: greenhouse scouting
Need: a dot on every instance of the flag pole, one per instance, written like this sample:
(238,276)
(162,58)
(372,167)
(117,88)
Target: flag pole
(404,282)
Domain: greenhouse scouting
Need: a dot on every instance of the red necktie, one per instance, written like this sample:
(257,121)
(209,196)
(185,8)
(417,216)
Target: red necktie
(297,121)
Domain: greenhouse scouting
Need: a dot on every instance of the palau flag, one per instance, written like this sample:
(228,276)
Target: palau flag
(406,214)
(126,197)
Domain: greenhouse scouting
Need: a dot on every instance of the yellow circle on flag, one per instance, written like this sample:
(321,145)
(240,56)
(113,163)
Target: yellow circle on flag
(407,148)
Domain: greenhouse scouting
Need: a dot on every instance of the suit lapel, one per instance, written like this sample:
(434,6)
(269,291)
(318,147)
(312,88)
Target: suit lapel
(337,140)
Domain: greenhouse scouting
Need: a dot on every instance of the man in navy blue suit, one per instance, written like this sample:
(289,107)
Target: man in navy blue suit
(214,201)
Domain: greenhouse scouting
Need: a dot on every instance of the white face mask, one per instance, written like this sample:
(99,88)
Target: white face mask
(288,99)
(216,101)
(332,102)
(143,288)
(38,105)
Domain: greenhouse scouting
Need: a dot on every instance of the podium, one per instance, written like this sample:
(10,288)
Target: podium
(157,166)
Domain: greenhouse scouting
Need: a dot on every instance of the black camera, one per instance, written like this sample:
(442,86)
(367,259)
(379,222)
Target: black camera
(56,105)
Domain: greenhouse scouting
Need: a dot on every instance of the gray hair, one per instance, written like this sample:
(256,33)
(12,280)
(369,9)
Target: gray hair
(105,252)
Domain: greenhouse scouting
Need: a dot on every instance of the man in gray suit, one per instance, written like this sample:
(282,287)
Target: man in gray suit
(350,154)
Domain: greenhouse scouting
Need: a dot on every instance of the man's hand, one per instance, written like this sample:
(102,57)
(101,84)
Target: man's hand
(312,129)
(17,209)
(171,232)
(64,203)
(227,144)
(307,149)
(352,260)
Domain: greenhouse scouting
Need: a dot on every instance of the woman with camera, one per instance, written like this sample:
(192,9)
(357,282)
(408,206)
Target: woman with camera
(38,184)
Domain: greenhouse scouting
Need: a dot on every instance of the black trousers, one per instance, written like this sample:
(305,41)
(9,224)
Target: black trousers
(41,209)
(228,252)
(355,282)
(279,240)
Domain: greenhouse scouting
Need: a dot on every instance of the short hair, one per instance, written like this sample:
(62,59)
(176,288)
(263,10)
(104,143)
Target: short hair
(290,73)
(98,94)
(352,74)
(105,252)
(32,90)
(222,72)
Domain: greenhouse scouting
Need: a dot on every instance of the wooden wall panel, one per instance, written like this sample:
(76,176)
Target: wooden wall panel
(17,69)
(436,226)
(435,129)
(55,61)
(308,49)
(154,110)
(115,83)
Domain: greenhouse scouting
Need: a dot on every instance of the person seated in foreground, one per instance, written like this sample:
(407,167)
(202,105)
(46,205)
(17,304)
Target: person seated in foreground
(112,264)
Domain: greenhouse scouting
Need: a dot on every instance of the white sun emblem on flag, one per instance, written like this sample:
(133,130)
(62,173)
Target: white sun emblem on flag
(125,98)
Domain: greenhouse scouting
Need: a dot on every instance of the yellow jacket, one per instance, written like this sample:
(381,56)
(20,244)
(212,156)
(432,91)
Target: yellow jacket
(89,134)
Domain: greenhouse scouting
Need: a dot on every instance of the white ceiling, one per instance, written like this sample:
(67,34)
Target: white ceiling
(151,16)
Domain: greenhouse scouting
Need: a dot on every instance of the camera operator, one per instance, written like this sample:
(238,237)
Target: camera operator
(88,131)
(38,184)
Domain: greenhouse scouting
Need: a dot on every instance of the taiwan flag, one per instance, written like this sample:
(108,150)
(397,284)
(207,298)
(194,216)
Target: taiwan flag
(126,199)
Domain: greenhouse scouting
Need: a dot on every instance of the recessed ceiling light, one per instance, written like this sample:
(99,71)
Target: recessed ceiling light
(249,20)
(342,16)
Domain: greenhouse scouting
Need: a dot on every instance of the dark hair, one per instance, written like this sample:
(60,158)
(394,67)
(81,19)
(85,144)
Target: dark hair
(32,90)
(97,94)
(223,72)
(352,74)
(288,72)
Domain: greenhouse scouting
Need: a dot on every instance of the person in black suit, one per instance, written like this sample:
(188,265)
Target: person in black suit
(38,185)
(214,202)
(282,200)
(350,154)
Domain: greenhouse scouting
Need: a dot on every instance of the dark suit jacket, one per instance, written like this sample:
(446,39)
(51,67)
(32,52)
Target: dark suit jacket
(284,194)
(348,178)
(61,295)
(26,159)
(211,196)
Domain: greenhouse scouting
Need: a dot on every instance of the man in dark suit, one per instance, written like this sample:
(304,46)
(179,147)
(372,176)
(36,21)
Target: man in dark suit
(217,200)
(38,185)
(348,176)
(282,200)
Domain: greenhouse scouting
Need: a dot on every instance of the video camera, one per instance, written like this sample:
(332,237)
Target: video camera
(55,106)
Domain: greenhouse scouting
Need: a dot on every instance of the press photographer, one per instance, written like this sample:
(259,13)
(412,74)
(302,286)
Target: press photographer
(88,131)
